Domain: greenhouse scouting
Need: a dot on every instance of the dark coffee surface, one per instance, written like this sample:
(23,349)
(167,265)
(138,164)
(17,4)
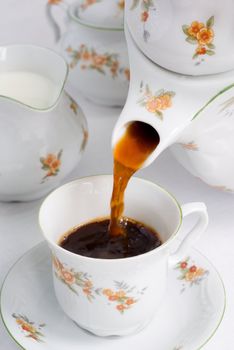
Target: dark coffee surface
(93,240)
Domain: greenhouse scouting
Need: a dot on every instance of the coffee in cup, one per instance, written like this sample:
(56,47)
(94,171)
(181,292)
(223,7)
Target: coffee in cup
(93,240)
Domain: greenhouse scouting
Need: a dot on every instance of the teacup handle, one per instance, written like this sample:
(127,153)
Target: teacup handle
(200,226)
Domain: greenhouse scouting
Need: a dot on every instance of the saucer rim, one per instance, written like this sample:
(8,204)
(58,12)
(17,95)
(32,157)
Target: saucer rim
(44,243)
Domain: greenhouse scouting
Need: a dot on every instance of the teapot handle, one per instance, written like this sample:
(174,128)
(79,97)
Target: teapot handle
(49,14)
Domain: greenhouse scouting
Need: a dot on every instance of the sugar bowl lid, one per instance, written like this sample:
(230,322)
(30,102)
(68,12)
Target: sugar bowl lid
(101,13)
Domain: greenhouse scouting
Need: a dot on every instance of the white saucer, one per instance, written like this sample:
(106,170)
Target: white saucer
(190,314)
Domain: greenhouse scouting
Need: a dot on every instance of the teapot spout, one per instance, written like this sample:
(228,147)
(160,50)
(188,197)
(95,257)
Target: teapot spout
(32,76)
(150,100)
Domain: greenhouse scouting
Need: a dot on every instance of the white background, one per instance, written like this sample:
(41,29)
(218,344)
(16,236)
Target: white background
(23,21)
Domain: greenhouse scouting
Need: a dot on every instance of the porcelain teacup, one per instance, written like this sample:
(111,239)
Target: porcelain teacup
(115,296)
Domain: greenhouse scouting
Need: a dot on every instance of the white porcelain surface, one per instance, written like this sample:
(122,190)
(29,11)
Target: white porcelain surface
(19,221)
(205,148)
(97,58)
(188,316)
(171,32)
(135,285)
(194,112)
(39,145)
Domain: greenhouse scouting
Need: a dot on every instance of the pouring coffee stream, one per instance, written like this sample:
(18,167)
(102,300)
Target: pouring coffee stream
(137,143)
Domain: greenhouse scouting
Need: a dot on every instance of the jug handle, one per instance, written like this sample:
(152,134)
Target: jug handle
(49,14)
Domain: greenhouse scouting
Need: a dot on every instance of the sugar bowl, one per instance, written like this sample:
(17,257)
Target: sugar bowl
(94,47)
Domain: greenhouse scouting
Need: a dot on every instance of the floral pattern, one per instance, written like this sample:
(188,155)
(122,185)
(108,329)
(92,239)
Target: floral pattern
(156,102)
(222,188)
(147,6)
(201,35)
(190,146)
(121,4)
(74,107)
(217,187)
(90,59)
(54,2)
(74,279)
(51,164)
(86,3)
(227,107)
(190,274)
(29,328)
(122,296)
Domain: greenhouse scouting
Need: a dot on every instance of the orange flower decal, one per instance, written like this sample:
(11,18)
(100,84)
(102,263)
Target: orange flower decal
(197,33)
(221,188)
(194,273)
(147,7)
(144,16)
(89,58)
(205,36)
(201,50)
(73,279)
(121,4)
(88,288)
(29,328)
(127,74)
(73,105)
(86,55)
(108,292)
(54,2)
(86,3)
(156,102)
(68,276)
(160,102)
(121,297)
(99,60)
(51,164)
(190,273)
(190,146)
(194,28)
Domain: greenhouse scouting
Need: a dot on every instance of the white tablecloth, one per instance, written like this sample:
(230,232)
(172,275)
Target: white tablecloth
(24,22)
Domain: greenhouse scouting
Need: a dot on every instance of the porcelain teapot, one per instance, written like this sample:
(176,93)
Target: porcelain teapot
(185,36)
(94,46)
(42,129)
(195,114)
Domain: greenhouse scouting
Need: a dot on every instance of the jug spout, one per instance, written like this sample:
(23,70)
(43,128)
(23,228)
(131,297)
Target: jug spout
(32,76)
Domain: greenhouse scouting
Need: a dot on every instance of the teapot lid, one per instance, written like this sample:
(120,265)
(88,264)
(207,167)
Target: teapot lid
(100,13)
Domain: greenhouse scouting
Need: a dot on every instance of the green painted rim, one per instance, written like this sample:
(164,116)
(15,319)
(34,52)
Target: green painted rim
(224,301)
(62,87)
(88,24)
(44,243)
(212,99)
